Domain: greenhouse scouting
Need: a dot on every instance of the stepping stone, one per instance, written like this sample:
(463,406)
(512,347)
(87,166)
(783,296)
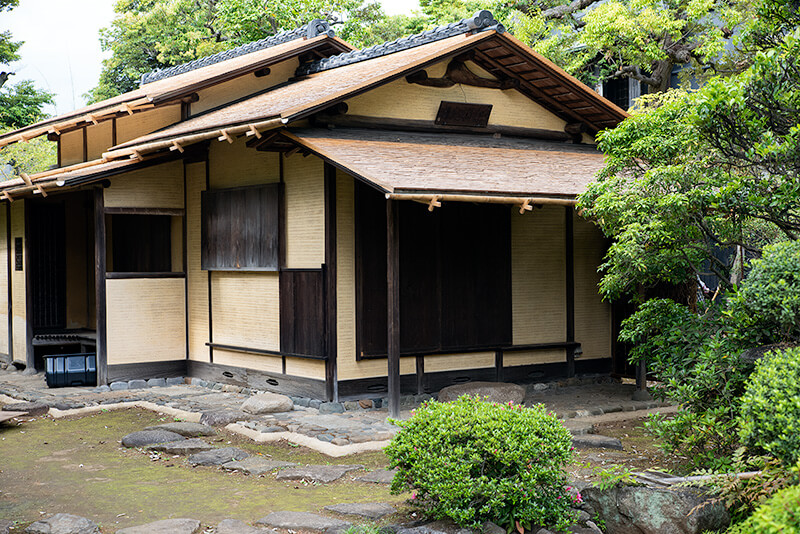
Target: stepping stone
(596,441)
(223,418)
(267,403)
(302,521)
(63,524)
(218,456)
(317,473)
(256,465)
(32,409)
(189,430)
(495,391)
(234,526)
(370,510)
(379,476)
(7,416)
(183,447)
(143,438)
(167,526)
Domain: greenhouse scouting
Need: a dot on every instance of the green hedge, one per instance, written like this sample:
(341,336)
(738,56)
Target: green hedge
(778,515)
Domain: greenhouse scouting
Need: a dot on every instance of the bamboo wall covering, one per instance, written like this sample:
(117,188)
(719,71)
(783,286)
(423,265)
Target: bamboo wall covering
(71,147)
(413,101)
(99,138)
(144,122)
(146,320)
(235,165)
(449,362)
(244,309)
(197,279)
(305,368)
(592,315)
(4,279)
(304,184)
(160,186)
(18,282)
(532,357)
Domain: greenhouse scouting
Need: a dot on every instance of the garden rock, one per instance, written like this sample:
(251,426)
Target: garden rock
(370,510)
(234,526)
(166,526)
(32,409)
(5,525)
(183,447)
(317,473)
(331,407)
(596,441)
(143,438)
(302,521)
(267,403)
(494,391)
(644,510)
(218,456)
(223,418)
(379,476)
(189,430)
(492,528)
(63,524)
(255,465)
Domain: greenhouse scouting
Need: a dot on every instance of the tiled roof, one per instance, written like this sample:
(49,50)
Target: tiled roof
(312,29)
(481,21)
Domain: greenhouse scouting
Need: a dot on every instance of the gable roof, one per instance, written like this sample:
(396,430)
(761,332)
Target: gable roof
(171,85)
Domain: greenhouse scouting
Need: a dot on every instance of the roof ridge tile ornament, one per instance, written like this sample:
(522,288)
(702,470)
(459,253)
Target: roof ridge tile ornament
(481,21)
(313,29)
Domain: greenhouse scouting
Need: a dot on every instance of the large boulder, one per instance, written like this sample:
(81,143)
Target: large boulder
(267,403)
(646,510)
(494,392)
(63,524)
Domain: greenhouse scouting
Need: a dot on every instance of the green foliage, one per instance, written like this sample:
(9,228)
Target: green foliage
(473,461)
(770,410)
(612,476)
(368,25)
(34,156)
(21,104)
(780,514)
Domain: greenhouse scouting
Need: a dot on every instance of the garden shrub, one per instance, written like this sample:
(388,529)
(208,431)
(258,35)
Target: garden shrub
(770,407)
(473,461)
(779,514)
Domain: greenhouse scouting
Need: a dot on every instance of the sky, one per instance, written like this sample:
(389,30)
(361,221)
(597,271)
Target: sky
(62,52)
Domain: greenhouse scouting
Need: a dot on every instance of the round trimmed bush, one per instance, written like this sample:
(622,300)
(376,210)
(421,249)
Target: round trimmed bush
(779,514)
(473,461)
(770,408)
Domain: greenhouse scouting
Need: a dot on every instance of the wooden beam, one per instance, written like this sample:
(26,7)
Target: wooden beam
(570,287)
(331,319)
(427,198)
(100,284)
(30,360)
(393,304)
(420,360)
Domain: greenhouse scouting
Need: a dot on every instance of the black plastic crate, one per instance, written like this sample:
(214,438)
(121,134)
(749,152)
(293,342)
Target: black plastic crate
(63,370)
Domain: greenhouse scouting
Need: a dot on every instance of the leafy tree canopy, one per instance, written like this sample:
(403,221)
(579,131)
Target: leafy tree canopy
(155,34)
(8,47)
(21,104)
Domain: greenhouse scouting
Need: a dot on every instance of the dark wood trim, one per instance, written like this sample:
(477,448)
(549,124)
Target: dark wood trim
(263,352)
(470,350)
(58,152)
(85,144)
(393,304)
(208,275)
(262,380)
(100,284)
(173,212)
(331,374)
(144,371)
(420,361)
(498,365)
(30,360)
(125,276)
(10,267)
(570,289)
(114,131)
(185,259)
(281,216)
(414,125)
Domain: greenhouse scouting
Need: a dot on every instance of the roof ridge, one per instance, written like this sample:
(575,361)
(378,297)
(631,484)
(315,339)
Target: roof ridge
(481,21)
(313,29)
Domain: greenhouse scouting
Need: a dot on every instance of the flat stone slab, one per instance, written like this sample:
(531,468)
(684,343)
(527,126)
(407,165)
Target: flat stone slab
(234,526)
(166,526)
(189,430)
(370,510)
(218,456)
(317,473)
(7,416)
(143,438)
(495,392)
(301,521)
(183,447)
(267,403)
(596,441)
(63,524)
(379,476)
(222,418)
(31,409)
(256,465)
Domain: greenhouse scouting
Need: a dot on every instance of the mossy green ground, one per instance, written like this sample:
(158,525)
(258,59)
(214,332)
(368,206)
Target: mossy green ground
(78,466)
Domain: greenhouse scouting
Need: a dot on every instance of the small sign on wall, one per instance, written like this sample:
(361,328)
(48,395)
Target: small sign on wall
(17,253)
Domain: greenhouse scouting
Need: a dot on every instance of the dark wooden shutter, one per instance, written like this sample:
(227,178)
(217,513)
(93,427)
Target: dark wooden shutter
(302,299)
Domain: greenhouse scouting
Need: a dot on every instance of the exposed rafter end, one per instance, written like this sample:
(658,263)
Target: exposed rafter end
(176,146)
(8,197)
(26,179)
(434,203)
(525,206)
(39,191)
(226,137)
(253,131)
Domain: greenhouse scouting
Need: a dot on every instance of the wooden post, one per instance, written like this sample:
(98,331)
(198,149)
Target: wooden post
(100,284)
(393,304)
(30,360)
(420,374)
(498,366)
(570,293)
(10,267)
(331,375)
(641,393)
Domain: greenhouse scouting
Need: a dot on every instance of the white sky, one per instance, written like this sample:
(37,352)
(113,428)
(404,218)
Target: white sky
(62,50)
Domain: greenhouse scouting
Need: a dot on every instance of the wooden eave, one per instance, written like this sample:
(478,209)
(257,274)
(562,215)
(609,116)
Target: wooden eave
(173,90)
